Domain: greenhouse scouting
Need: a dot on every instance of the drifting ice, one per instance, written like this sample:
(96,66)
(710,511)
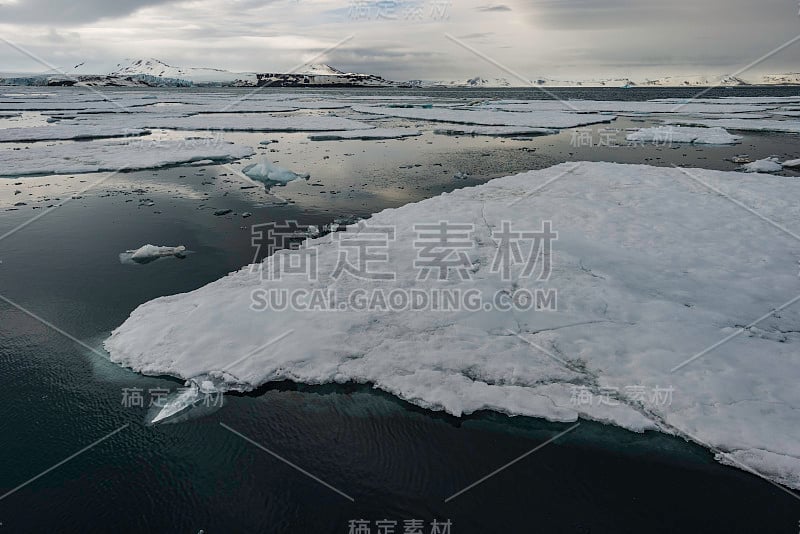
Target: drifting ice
(678,134)
(266,171)
(764,165)
(149,253)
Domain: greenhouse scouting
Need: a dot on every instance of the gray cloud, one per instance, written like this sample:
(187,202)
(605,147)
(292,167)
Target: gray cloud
(566,39)
(61,12)
(494,8)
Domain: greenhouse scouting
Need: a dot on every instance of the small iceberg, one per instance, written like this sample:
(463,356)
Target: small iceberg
(150,253)
(271,174)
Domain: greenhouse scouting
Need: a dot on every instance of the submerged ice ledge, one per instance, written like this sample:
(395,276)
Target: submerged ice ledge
(650,267)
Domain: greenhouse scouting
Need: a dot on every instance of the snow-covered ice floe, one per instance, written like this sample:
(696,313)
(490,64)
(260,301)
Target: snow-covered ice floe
(150,253)
(679,134)
(755,125)
(791,163)
(619,106)
(756,100)
(66,132)
(496,131)
(266,171)
(763,165)
(258,122)
(366,135)
(535,119)
(652,267)
(99,156)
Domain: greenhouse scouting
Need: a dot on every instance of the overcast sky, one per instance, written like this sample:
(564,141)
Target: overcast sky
(399,39)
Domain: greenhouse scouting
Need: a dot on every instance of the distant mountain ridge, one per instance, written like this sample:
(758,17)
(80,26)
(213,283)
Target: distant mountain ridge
(152,72)
(667,81)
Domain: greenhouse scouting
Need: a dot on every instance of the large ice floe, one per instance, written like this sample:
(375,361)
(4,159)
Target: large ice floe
(66,132)
(755,125)
(258,122)
(495,131)
(98,156)
(664,283)
(616,106)
(545,118)
(365,135)
(678,134)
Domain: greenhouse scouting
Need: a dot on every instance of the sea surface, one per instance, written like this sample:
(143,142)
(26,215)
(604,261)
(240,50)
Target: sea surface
(318,457)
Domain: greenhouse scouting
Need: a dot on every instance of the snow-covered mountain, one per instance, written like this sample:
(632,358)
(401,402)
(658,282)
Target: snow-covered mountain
(320,69)
(154,72)
(310,75)
(483,82)
(159,69)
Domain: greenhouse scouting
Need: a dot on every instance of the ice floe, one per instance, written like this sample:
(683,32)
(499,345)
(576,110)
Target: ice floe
(764,165)
(266,171)
(376,133)
(616,106)
(535,119)
(66,132)
(151,253)
(260,122)
(98,156)
(498,131)
(764,125)
(678,134)
(653,267)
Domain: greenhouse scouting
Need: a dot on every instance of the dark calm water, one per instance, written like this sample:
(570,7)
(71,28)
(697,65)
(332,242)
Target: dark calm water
(396,461)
